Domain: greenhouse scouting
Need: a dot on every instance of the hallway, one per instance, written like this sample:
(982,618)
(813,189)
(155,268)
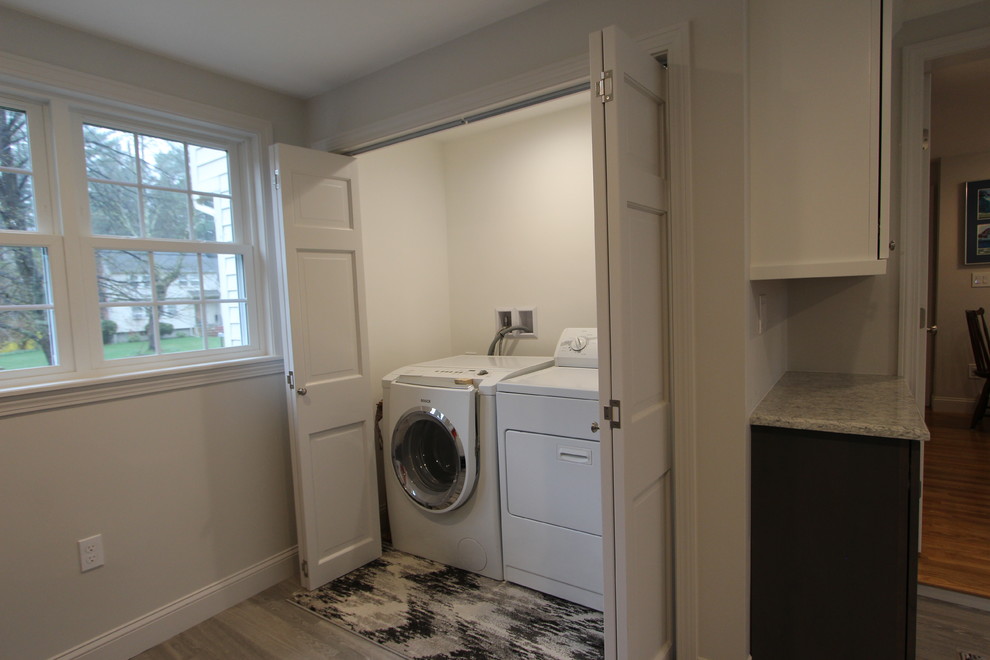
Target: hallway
(955,518)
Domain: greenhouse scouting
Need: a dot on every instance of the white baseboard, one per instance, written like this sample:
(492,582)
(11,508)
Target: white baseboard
(950,404)
(159,625)
(954,597)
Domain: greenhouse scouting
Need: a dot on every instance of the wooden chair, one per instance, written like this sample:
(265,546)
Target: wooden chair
(980,340)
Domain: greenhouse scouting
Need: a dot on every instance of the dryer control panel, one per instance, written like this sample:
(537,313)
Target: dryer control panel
(577,347)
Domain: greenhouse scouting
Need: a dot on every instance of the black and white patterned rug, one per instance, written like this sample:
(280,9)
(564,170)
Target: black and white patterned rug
(422,609)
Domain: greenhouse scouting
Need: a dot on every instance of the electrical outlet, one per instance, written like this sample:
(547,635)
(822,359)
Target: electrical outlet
(972,372)
(91,553)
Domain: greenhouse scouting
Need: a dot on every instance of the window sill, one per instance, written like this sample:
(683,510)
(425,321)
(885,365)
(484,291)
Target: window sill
(49,396)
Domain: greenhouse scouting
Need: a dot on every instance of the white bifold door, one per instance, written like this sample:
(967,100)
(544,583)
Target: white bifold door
(631,243)
(331,415)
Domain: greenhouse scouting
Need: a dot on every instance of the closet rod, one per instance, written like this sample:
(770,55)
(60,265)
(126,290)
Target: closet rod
(494,112)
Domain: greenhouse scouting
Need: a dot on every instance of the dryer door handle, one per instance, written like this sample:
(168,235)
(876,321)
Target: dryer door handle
(573,455)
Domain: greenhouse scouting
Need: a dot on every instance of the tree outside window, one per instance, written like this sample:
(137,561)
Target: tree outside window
(143,191)
(146,187)
(26,319)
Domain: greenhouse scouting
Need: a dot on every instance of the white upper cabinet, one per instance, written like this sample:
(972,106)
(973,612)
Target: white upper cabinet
(819,80)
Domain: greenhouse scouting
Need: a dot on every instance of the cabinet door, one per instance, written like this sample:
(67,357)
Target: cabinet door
(816,74)
(834,545)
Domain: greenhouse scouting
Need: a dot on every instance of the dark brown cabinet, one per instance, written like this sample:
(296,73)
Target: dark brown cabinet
(834,545)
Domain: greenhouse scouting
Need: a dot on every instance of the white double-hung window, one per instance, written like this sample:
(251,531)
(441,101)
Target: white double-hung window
(128,244)
(30,249)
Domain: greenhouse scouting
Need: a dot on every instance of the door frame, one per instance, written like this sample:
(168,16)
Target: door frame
(674,43)
(915,104)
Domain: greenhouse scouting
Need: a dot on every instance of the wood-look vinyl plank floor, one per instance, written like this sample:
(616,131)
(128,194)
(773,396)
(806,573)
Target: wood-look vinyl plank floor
(955,521)
(955,555)
(945,630)
(267,627)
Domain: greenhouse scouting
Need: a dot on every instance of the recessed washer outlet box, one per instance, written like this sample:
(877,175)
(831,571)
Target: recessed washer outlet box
(506,317)
(526,317)
(503,317)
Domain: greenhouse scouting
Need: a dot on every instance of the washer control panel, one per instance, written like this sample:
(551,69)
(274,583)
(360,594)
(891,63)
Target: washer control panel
(577,347)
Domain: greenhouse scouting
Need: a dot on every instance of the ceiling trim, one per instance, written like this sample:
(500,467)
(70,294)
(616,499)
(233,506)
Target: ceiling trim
(51,78)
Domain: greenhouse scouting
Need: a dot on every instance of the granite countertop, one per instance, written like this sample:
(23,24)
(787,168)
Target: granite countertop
(880,406)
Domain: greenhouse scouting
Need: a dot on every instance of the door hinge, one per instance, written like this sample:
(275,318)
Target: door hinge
(603,88)
(290,379)
(612,414)
(278,182)
(305,568)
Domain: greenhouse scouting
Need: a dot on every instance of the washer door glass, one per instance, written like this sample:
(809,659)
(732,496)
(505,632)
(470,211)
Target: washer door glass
(428,459)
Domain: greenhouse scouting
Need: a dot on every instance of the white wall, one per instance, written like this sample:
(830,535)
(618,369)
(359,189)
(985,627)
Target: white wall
(404,220)
(521,229)
(767,351)
(499,213)
(844,324)
(558,31)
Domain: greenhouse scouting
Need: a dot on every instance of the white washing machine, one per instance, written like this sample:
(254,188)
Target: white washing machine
(550,474)
(441,472)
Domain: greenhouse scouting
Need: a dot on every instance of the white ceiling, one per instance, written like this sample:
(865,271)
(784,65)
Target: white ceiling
(299,47)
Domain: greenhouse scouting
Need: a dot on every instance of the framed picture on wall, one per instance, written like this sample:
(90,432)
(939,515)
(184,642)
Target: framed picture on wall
(977,230)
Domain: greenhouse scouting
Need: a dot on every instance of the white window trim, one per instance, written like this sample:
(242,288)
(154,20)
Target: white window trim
(49,396)
(29,79)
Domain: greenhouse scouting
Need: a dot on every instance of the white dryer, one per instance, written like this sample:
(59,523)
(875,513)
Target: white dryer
(550,474)
(441,473)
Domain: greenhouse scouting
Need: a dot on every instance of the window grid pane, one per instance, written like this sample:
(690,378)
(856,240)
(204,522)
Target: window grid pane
(111,155)
(27,320)
(173,302)
(148,185)
(143,186)
(18,207)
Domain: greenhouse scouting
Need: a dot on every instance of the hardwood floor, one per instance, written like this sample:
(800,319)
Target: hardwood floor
(955,537)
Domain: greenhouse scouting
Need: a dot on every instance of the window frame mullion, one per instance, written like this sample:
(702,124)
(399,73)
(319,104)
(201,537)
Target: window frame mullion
(61,183)
(70,166)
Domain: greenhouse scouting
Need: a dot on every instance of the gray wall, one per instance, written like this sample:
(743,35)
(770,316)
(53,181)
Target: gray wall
(555,32)
(188,487)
